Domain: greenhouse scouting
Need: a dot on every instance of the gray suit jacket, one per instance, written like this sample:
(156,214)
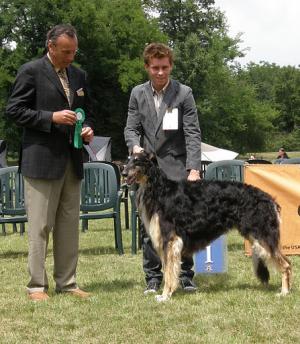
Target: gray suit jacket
(36,94)
(177,150)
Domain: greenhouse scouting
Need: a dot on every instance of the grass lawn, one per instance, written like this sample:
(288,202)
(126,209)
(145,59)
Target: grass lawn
(228,308)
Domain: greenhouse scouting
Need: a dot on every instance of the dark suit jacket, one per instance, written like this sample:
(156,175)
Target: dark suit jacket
(177,150)
(37,93)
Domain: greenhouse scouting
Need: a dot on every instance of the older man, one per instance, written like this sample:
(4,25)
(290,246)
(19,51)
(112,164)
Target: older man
(45,94)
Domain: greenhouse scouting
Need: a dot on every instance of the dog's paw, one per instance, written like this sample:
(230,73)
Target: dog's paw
(284,292)
(162,298)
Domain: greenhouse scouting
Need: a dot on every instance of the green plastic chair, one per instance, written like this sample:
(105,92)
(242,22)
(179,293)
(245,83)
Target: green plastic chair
(124,188)
(101,197)
(12,208)
(226,170)
(290,161)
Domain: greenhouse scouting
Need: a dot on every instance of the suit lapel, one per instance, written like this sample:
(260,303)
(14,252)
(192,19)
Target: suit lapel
(149,96)
(52,76)
(166,103)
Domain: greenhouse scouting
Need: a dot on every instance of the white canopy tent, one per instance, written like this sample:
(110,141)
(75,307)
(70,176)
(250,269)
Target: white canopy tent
(211,153)
(99,149)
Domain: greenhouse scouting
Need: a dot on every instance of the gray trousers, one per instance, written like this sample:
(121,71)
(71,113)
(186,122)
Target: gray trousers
(53,205)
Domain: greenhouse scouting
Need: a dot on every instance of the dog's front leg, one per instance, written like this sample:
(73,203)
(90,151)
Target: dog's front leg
(172,266)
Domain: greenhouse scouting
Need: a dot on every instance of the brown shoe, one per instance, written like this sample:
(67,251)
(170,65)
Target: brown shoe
(38,296)
(79,293)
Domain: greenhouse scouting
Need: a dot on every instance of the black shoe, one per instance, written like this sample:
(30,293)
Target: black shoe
(152,287)
(188,285)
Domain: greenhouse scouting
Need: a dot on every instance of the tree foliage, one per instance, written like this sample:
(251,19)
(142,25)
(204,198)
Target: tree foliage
(280,88)
(230,113)
(239,108)
(112,35)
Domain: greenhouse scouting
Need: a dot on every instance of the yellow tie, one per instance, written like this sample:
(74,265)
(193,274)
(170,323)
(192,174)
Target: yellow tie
(62,74)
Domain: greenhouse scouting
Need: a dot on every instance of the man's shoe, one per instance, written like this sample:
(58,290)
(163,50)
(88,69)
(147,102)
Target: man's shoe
(38,296)
(188,285)
(79,293)
(152,287)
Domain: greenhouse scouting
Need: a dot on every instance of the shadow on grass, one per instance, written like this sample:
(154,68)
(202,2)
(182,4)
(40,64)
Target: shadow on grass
(219,283)
(213,288)
(96,251)
(9,233)
(13,254)
(112,286)
(236,247)
(91,251)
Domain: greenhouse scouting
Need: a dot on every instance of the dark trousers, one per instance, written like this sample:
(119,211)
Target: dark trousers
(152,264)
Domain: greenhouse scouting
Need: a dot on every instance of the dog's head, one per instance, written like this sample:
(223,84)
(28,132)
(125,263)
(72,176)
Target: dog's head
(138,167)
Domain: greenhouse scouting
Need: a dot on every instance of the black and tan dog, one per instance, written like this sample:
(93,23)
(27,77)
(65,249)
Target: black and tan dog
(183,217)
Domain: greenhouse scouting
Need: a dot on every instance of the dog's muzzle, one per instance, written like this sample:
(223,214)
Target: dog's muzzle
(130,179)
(128,176)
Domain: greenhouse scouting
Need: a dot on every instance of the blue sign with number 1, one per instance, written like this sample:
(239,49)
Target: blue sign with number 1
(213,259)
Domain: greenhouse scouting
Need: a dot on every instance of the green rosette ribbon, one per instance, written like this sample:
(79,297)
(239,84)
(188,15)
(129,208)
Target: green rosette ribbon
(80,114)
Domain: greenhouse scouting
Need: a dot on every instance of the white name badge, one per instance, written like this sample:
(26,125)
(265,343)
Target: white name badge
(170,121)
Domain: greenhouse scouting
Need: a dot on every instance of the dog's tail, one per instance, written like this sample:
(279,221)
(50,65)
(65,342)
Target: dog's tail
(260,257)
(266,250)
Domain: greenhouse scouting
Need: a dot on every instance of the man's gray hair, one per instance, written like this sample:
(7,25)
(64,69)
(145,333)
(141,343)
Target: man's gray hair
(59,30)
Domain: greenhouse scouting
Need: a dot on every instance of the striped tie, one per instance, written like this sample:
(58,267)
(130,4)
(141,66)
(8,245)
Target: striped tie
(62,74)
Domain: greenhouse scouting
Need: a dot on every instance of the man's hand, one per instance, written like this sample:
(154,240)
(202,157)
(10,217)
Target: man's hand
(137,149)
(87,134)
(67,117)
(194,175)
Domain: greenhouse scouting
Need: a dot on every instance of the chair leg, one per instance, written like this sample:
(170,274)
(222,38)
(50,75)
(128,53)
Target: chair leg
(22,228)
(85,225)
(139,232)
(3,229)
(126,213)
(115,234)
(134,223)
(118,233)
(124,199)
(15,229)
(133,232)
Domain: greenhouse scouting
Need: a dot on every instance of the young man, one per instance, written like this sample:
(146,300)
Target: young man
(44,96)
(162,118)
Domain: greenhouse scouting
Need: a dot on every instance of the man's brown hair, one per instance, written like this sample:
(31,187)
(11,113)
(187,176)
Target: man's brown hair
(157,50)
